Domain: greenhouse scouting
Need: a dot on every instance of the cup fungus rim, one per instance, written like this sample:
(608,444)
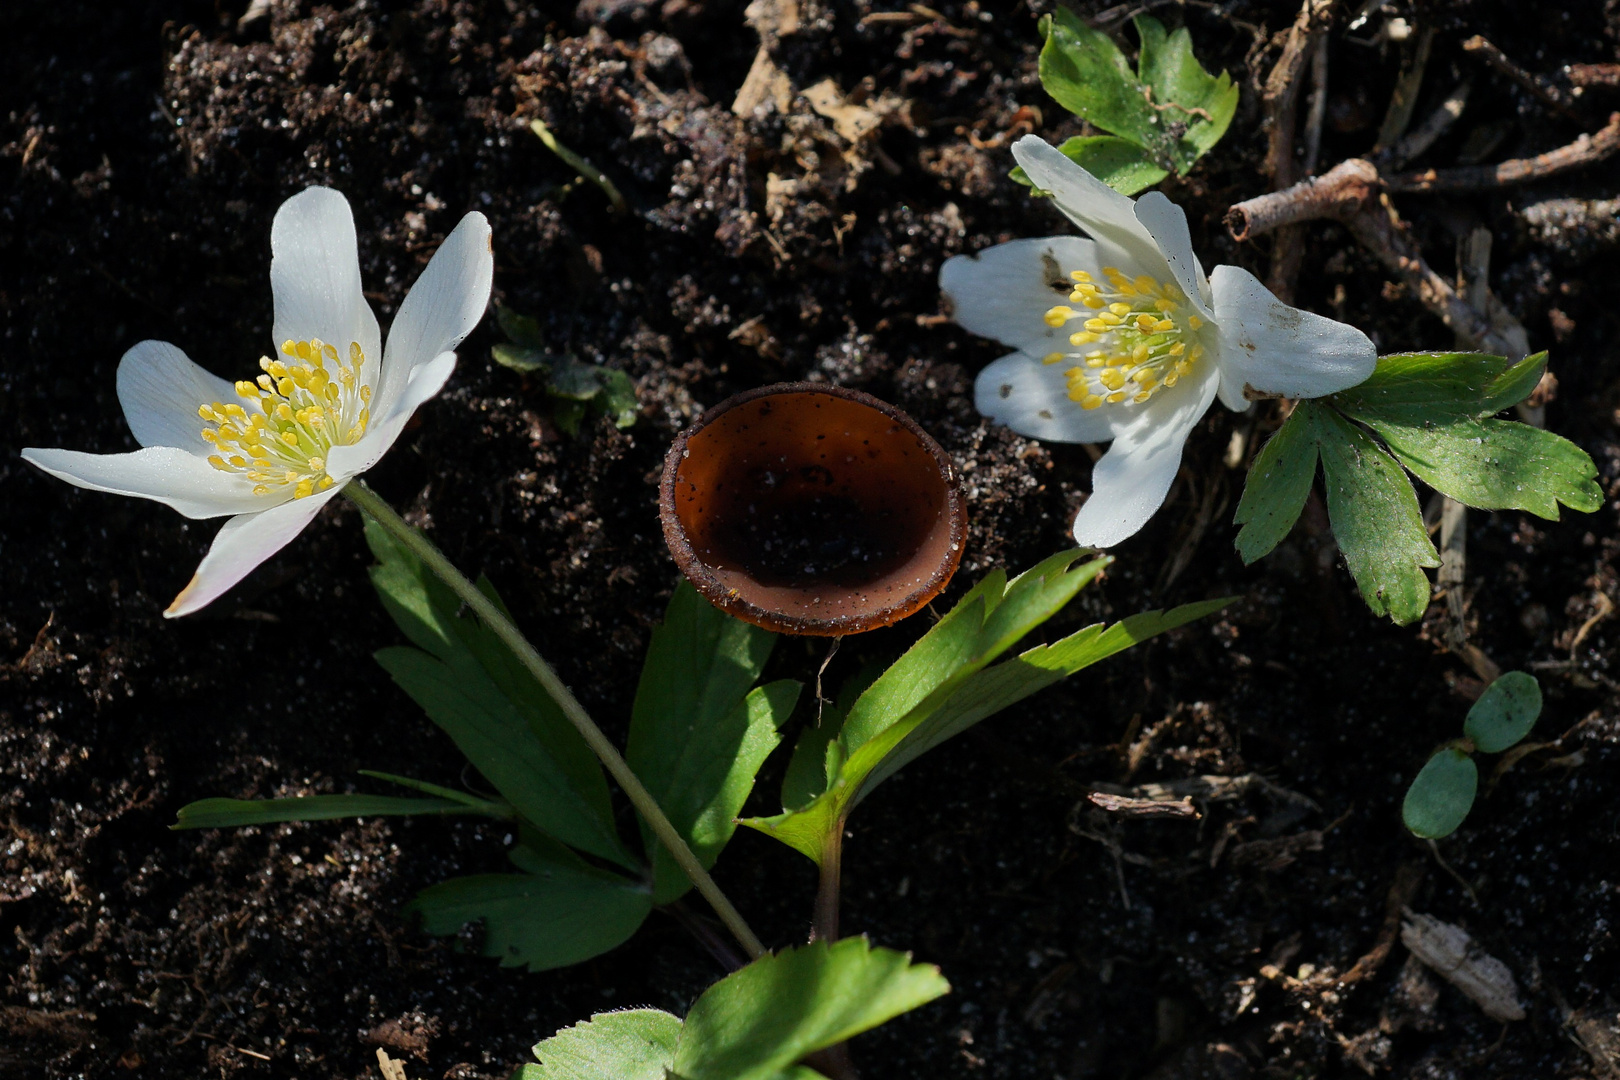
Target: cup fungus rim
(713,590)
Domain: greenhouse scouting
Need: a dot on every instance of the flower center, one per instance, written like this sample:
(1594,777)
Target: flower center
(1137,338)
(296,412)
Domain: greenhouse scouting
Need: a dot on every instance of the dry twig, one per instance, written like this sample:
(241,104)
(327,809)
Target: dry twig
(1586,150)
(1542,90)
(1280,99)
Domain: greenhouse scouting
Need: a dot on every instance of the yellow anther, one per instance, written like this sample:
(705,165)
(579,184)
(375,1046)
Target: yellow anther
(1119,309)
(1146,323)
(1143,396)
(1178,348)
(258,451)
(1051,358)
(290,438)
(325,482)
(1094,302)
(1163,326)
(247,389)
(1096,360)
(286,387)
(277,369)
(217,462)
(1145,284)
(329,352)
(299,376)
(1116,397)
(1194,322)
(356,357)
(235,411)
(284,412)
(239,461)
(1091,401)
(303,350)
(1058,315)
(1171,378)
(1143,377)
(1083,337)
(1111,378)
(210,435)
(205,412)
(260,489)
(265,383)
(304,490)
(1080,276)
(365,393)
(289,347)
(1165,306)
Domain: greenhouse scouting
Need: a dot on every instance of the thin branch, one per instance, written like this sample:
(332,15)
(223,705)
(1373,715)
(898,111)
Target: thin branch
(1403,101)
(1316,106)
(1280,98)
(1415,142)
(1586,150)
(1542,90)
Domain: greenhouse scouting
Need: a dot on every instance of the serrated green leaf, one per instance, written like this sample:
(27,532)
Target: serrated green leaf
(1442,794)
(618,401)
(561,912)
(1504,713)
(1201,104)
(1277,486)
(1497,465)
(636,1044)
(1375,518)
(697,734)
(756,1023)
(469,684)
(1087,74)
(520,358)
(1419,389)
(1119,163)
(523,330)
(233,813)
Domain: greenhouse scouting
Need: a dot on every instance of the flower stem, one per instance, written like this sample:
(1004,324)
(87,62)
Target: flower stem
(423,548)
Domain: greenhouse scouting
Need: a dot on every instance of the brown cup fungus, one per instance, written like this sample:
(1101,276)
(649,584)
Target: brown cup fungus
(812,509)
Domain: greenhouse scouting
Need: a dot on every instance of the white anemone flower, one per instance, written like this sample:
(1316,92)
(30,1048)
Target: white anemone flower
(272,451)
(1121,337)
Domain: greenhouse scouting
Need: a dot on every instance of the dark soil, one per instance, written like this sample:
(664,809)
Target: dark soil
(144,148)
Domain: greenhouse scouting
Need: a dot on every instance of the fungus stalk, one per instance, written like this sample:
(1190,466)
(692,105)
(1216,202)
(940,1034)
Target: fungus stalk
(379,510)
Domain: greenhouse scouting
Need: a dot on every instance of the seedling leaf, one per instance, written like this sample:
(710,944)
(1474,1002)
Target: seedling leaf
(1441,795)
(756,1023)
(231,813)
(637,1044)
(1504,713)
(561,912)
(1375,518)
(1277,487)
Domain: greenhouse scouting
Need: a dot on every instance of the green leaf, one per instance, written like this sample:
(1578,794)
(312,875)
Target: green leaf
(618,401)
(231,813)
(470,684)
(561,912)
(1170,108)
(523,330)
(1119,163)
(818,754)
(756,1023)
(520,358)
(1375,518)
(963,691)
(1200,103)
(1441,796)
(1497,465)
(1277,487)
(1419,389)
(697,734)
(496,809)
(1504,713)
(1087,74)
(572,379)
(637,1044)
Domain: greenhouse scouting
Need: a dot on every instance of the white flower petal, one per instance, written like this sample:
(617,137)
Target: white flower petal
(167,474)
(160,389)
(1108,216)
(428,379)
(1131,481)
(1278,349)
(244,543)
(1032,398)
(1004,292)
(442,307)
(315,277)
(1167,223)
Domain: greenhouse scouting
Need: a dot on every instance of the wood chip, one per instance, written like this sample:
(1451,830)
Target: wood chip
(391,1069)
(1457,958)
(1142,808)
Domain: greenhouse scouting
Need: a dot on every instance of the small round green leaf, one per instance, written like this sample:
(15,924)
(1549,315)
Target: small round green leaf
(1441,796)
(1504,713)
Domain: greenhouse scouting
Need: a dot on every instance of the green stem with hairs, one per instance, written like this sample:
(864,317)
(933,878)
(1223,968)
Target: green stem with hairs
(373,505)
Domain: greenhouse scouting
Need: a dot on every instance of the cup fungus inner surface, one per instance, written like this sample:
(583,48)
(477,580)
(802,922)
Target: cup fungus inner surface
(812,510)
